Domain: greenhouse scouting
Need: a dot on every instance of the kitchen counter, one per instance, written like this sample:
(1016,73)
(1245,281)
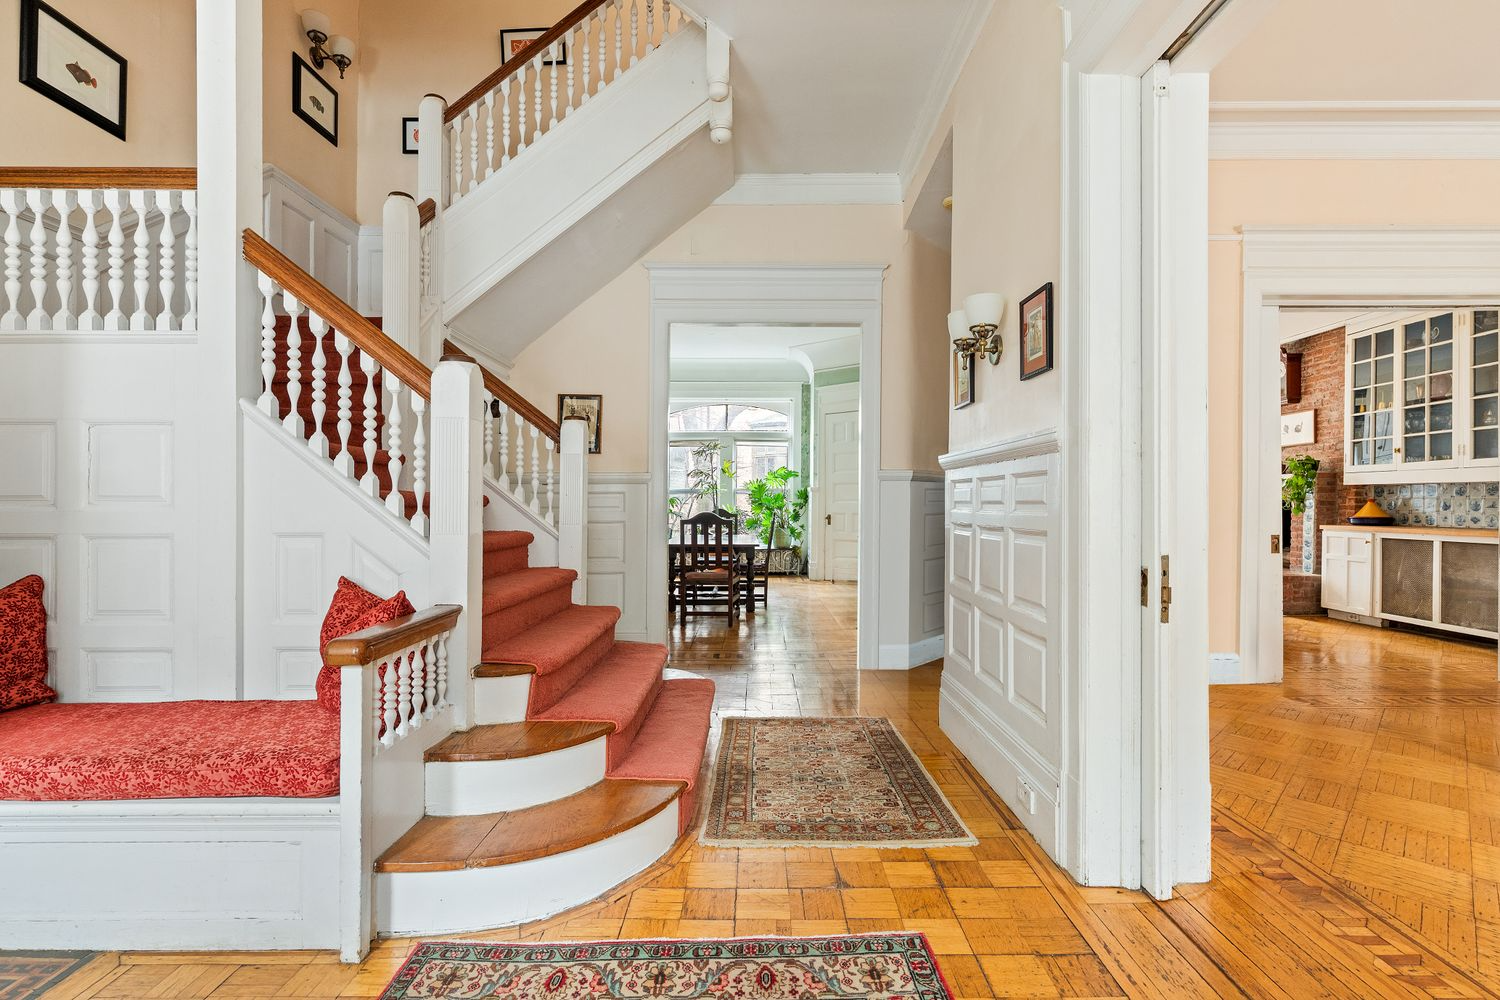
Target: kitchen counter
(1416,529)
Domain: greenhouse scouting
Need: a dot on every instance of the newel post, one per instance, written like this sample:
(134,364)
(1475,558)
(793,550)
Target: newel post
(356,812)
(400,272)
(456,531)
(573,504)
(432,151)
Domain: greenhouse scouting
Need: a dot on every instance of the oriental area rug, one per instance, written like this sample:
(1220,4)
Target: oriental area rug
(896,966)
(831,782)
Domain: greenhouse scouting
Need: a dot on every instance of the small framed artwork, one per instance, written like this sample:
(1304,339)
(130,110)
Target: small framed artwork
(1299,427)
(314,100)
(963,382)
(1036,333)
(513,40)
(588,406)
(67,64)
(409,136)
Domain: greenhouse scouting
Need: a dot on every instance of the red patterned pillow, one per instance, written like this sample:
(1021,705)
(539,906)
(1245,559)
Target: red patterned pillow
(23,645)
(353,608)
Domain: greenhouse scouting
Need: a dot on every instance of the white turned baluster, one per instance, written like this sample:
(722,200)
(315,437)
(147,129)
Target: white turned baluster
(394,501)
(553,52)
(519,439)
(345,462)
(403,693)
(390,698)
(599,68)
(538,63)
(37,318)
(489,432)
(429,678)
(505,121)
(619,37)
(140,272)
(536,506)
(583,43)
(456,137)
(62,202)
(489,133)
(442,671)
(10,199)
(167,285)
(318,441)
(666,18)
(635,30)
(369,482)
(114,200)
(419,461)
(521,104)
(573,45)
(651,26)
(471,127)
(90,318)
(267,401)
(502,463)
(293,419)
(551,511)
(190,262)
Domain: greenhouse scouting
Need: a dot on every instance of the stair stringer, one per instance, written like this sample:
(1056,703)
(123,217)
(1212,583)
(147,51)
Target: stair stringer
(572,212)
(506,513)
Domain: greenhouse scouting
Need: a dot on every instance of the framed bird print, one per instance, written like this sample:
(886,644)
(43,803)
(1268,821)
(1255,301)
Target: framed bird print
(72,67)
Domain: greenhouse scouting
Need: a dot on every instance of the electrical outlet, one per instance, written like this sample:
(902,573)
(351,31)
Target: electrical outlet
(1028,796)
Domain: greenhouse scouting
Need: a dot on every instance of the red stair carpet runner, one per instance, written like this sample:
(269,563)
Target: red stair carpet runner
(584,674)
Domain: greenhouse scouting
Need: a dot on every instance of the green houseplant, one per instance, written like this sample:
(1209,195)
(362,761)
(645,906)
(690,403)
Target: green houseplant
(1301,478)
(776,510)
(705,472)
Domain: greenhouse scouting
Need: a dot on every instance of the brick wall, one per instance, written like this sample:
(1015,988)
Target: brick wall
(1323,391)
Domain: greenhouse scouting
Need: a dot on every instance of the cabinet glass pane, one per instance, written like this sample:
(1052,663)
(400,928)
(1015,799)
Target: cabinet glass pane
(1362,346)
(1406,578)
(1428,389)
(1486,370)
(1486,444)
(1471,585)
(1372,394)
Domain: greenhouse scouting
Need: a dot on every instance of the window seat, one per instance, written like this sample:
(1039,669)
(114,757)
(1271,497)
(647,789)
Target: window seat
(165,750)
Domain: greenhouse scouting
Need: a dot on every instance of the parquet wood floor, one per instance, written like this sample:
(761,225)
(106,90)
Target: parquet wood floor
(1349,843)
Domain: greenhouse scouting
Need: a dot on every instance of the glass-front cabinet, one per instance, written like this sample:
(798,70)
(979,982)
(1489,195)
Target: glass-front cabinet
(1423,397)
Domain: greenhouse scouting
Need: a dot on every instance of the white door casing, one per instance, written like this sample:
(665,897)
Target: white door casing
(837,485)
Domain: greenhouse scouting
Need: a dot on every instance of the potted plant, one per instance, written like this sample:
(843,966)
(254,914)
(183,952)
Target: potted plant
(1298,486)
(776,510)
(705,471)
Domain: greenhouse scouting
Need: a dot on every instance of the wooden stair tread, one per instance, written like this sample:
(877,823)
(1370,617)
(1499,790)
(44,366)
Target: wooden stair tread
(451,843)
(509,741)
(503,669)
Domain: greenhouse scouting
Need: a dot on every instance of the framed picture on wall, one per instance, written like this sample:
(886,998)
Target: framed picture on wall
(314,100)
(409,136)
(72,67)
(514,40)
(588,406)
(1036,333)
(963,381)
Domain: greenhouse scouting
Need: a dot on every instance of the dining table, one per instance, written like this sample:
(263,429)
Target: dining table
(744,554)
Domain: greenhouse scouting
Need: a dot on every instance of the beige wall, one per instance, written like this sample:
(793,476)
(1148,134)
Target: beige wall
(412,49)
(290,143)
(156,39)
(603,345)
(1280,192)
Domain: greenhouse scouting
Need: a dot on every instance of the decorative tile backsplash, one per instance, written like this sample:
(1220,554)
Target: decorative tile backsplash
(1442,505)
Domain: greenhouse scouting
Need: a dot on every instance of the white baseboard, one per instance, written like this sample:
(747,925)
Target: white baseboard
(1225,668)
(903,656)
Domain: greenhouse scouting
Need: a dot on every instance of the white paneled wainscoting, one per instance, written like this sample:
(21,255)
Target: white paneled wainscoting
(1002,688)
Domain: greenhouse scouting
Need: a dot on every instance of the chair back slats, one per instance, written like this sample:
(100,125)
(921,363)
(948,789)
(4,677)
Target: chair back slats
(706,541)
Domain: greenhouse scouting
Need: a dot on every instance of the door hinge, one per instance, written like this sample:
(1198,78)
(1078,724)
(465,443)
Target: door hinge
(1145,587)
(1275,544)
(1166,589)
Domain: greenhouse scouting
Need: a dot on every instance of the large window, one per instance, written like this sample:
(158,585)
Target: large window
(718,447)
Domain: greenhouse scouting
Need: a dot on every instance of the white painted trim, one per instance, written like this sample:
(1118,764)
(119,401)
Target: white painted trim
(619,478)
(841,398)
(826,294)
(904,656)
(272,174)
(949,66)
(368,290)
(501,700)
(1043,442)
(1224,668)
(1354,140)
(476,787)
(813,189)
(910,476)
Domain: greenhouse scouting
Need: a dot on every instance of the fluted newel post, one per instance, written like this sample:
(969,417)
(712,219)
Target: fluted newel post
(573,504)
(456,529)
(400,273)
(432,152)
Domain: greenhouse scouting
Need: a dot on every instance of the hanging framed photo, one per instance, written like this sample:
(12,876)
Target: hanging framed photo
(67,64)
(588,406)
(963,382)
(1036,333)
(409,136)
(314,100)
(514,40)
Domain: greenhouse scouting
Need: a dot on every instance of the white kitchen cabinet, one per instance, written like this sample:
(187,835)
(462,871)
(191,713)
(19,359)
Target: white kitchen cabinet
(1349,572)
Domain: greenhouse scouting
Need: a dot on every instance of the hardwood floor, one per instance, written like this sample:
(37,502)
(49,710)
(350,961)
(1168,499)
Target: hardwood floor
(1355,850)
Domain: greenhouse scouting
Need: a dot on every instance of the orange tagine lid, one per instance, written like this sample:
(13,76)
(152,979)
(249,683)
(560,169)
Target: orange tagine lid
(1371,513)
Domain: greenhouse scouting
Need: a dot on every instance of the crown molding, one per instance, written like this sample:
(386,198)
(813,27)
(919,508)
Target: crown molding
(1354,130)
(950,65)
(813,189)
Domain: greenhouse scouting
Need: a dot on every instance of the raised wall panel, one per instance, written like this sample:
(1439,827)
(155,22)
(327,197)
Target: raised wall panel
(989,661)
(961,563)
(337,261)
(127,576)
(990,573)
(617,554)
(961,634)
(297,672)
(299,576)
(1028,674)
(23,555)
(1029,573)
(606,541)
(127,674)
(371,572)
(28,469)
(129,463)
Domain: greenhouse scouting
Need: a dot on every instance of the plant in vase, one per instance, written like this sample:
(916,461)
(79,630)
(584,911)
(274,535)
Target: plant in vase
(1297,490)
(776,510)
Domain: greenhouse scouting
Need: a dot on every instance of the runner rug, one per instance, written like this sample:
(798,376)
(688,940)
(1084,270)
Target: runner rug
(885,966)
(833,782)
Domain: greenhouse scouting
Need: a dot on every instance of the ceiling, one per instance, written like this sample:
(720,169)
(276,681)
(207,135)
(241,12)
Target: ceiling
(814,348)
(838,86)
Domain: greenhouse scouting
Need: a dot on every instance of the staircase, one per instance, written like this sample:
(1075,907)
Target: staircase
(581,771)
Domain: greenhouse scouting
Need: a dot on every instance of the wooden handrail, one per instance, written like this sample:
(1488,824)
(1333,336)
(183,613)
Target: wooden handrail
(368,646)
(426,212)
(340,315)
(515,62)
(172,178)
(507,395)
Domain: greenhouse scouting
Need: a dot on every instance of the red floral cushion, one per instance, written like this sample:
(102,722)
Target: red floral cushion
(169,750)
(23,645)
(353,608)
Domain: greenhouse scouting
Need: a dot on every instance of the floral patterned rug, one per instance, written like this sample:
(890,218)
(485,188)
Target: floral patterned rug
(831,782)
(856,967)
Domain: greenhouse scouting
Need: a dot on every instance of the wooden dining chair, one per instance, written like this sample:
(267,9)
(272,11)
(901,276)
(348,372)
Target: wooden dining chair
(706,571)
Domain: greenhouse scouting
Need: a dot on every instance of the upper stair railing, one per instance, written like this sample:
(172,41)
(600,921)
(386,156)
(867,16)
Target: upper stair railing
(539,87)
(99,248)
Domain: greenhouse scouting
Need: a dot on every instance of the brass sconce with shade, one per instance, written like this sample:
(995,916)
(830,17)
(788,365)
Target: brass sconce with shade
(975,328)
(326,46)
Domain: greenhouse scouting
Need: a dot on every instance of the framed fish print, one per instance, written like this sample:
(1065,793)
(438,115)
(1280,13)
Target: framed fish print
(1036,333)
(584,406)
(314,100)
(72,67)
(514,40)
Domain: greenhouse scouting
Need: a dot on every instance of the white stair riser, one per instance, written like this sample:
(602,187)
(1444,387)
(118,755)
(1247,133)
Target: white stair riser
(498,700)
(469,788)
(419,903)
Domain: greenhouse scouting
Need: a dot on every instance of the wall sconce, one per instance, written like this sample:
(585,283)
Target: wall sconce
(974,328)
(339,51)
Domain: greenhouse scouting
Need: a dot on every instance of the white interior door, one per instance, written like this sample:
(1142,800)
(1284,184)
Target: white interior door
(837,445)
